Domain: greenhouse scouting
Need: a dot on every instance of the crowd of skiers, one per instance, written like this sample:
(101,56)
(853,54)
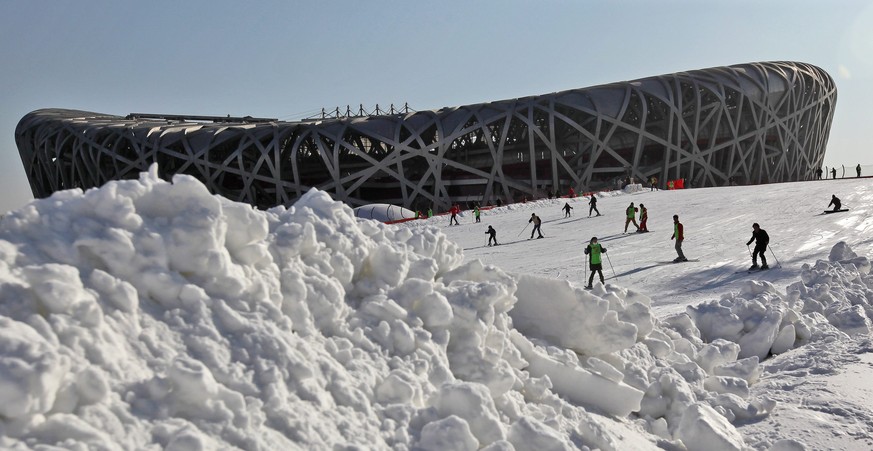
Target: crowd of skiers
(595,251)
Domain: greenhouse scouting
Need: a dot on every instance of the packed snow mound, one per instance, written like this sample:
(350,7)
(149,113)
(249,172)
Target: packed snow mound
(148,313)
(153,314)
(632,188)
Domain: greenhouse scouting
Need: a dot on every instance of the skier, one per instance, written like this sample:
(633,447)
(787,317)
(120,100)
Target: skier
(679,235)
(492,235)
(644,216)
(536,222)
(653,181)
(593,203)
(477,213)
(454,210)
(430,212)
(571,193)
(761,239)
(593,251)
(567,209)
(631,214)
(834,173)
(858,169)
(835,201)
(818,173)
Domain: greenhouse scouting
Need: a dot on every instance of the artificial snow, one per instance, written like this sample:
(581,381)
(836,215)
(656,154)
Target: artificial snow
(151,314)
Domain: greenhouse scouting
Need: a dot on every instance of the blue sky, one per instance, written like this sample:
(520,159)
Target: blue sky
(289,59)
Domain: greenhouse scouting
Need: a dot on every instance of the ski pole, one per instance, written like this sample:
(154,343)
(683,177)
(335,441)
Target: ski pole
(522,230)
(749,249)
(774,256)
(610,265)
(585,268)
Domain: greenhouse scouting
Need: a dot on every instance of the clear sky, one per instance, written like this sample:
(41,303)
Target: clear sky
(288,59)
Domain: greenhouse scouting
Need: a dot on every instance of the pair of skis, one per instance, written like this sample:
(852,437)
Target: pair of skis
(746,271)
(687,260)
(751,270)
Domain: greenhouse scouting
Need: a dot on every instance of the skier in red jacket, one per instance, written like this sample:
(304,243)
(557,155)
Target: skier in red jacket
(644,216)
(455,210)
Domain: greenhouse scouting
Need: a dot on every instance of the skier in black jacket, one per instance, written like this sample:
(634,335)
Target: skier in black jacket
(761,239)
(567,209)
(835,201)
(593,203)
(492,235)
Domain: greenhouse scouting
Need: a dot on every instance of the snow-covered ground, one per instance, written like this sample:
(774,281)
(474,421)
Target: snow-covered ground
(717,221)
(151,315)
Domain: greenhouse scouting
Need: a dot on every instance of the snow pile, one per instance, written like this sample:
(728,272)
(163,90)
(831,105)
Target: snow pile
(764,321)
(146,313)
(632,188)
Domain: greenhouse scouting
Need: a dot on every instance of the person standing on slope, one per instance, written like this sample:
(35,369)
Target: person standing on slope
(679,236)
(835,201)
(492,235)
(631,214)
(834,173)
(761,239)
(858,169)
(454,210)
(477,213)
(644,216)
(593,203)
(536,222)
(595,263)
(567,209)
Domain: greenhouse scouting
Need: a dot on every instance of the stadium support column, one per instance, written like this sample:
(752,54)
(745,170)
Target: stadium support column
(532,151)
(553,144)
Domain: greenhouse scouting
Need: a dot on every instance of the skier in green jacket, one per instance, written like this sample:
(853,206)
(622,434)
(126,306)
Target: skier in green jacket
(594,251)
(631,214)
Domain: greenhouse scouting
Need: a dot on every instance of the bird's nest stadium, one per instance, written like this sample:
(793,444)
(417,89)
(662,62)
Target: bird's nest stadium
(746,124)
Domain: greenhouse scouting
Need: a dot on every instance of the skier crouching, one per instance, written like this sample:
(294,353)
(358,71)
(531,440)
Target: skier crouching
(595,262)
(644,216)
(835,201)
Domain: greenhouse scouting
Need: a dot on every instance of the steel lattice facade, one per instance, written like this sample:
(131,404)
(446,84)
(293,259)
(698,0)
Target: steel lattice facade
(749,123)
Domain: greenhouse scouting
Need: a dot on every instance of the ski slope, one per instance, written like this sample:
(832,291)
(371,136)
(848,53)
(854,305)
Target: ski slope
(718,224)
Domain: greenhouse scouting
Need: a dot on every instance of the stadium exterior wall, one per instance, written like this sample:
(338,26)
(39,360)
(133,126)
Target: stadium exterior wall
(748,123)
